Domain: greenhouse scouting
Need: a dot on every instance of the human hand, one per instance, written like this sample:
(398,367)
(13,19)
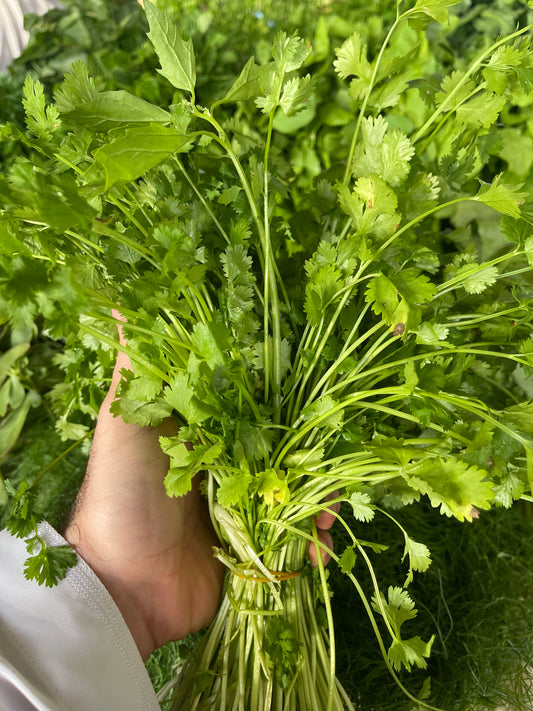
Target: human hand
(153,553)
(324,521)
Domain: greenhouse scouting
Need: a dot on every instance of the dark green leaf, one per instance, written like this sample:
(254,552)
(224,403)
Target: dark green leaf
(176,54)
(138,149)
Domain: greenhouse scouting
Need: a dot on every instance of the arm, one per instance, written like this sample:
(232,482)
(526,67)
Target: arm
(65,648)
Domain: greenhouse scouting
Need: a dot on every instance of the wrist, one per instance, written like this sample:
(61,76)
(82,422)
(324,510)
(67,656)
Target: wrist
(125,594)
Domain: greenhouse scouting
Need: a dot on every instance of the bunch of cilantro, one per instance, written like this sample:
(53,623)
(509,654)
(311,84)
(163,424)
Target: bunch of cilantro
(326,277)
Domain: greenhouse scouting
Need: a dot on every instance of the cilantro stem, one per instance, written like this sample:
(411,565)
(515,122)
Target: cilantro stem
(126,211)
(180,329)
(498,386)
(413,222)
(267,263)
(85,241)
(131,244)
(478,408)
(320,347)
(61,456)
(135,357)
(287,443)
(246,393)
(223,140)
(204,202)
(445,118)
(377,347)
(523,270)
(368,610)
(467,320)
(135,203)
(345,353)
(456,281)
(388,368)
(362,111)
(471,70)
(270,297)
(148,332)
(329,615)
(133,327)
(68,163)
(435,131)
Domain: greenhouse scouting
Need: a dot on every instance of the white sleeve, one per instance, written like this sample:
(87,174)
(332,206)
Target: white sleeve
(13,36)
(65,648)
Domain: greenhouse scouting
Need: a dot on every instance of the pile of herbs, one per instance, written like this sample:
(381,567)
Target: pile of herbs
(326,276)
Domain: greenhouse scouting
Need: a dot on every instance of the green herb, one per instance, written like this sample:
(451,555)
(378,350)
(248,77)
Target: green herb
(317,281)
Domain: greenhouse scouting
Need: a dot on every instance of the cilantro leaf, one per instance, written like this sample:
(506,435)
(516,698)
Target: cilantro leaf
(383,153)
(419,557)
(273,487)
(181,396)
(475,278)
(352,61)
(347,560)
(281,647)
(432,334)
(41,120)
(185,462)
(456,487)
(504,198)
(50,564)
(289,52)
(398,609)
(324,413)
(78,88)
(481,111)
(361,503)
(410,652)
(295,96)
(233,489)
(133,151)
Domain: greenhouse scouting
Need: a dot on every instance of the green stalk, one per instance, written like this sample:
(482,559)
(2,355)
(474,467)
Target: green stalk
(267,249)
(129,214)
(345,353)
(288,444)
(471,70)
(139,329)
(86,242)
(318,352)
(441,123)
(371,617)
(224,141)
(329,614)
(134,203)
(472,350)
(412,223)
(134,357)
(60,457)
(456,281)
(458,320)
(473,406)
(204,202)
(131,244)
(348,170)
